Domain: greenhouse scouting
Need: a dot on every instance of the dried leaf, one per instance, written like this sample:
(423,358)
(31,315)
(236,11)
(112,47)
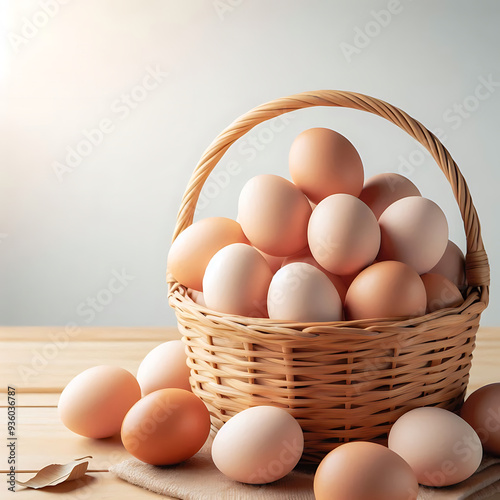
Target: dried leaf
(57,473)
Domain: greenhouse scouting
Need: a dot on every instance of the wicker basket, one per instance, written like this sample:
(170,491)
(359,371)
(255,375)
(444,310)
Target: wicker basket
(345,380)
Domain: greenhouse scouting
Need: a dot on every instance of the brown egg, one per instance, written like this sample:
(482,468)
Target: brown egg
(441,292)
(323,162)
(381,190)
(197,244)
(343,234)
(387,289)
(236,281)
(452,266)
(481,411)
(440,447)
(364,471)
(274,214)
(166,427)
(414,231)
(95,402)
(307,257)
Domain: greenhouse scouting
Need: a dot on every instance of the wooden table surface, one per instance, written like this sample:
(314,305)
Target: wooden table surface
(40,361)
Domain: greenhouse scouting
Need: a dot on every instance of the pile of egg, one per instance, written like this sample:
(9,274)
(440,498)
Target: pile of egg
(326,247)
(161,422)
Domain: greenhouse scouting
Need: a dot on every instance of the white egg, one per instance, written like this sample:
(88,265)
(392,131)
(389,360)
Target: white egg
(258,445)
(236,281)
(301,292)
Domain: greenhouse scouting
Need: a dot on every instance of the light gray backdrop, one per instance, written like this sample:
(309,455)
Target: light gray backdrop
(106,106)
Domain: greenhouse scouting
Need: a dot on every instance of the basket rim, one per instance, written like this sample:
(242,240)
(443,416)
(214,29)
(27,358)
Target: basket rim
(179,298)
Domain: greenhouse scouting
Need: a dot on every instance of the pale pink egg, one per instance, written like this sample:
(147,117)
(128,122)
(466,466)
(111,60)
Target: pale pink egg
(414,231)
(301,292)
(343,234)
(258,445)
(274,214)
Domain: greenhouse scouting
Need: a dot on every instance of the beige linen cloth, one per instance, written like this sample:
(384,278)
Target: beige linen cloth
(199,479)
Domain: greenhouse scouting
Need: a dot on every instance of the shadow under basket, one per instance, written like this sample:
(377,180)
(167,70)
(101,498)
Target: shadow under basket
(346,380)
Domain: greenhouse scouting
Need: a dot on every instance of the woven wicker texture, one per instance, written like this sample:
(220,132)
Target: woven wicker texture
(342,380)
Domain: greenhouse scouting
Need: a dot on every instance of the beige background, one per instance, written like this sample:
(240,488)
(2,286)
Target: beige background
(86,242)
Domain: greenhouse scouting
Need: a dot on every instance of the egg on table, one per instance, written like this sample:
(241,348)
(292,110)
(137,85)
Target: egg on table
(163,367)
(166,427)
(95,402)
(481,411)
(361,470)
(258,445)
(440,447)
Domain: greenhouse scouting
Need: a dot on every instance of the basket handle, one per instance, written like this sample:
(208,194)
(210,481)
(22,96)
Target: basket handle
(477,267)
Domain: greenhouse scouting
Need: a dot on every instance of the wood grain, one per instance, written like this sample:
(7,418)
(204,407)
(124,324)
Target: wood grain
(46,361)
(87,333)
(43,439)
